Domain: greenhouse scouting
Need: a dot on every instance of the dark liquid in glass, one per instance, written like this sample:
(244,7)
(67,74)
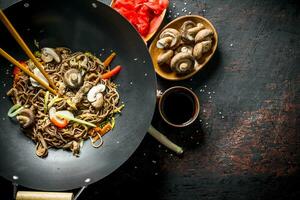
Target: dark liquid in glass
(178,107)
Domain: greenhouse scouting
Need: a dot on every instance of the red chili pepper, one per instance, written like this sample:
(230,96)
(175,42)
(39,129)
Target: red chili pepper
(112,72)
(60,123)
(17,70)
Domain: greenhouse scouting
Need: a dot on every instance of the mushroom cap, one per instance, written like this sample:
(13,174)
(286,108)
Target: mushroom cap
(198,50)
(205,34)
(164,43)
(26,117)
(49,54)
(165,57)
(206,45)
(73,78)
(173,38)
(184,48)
(182,63)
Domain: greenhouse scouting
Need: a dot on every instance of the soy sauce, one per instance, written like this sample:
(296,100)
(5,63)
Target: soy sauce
(178,107)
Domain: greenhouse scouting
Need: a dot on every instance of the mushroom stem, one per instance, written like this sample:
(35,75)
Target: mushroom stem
(164,140)
(164,43)
(165,57)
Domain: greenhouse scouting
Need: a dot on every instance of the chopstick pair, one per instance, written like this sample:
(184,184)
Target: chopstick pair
(14,33)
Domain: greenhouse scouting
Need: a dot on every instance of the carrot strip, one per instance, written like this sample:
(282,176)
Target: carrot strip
(109,59)
(101,131)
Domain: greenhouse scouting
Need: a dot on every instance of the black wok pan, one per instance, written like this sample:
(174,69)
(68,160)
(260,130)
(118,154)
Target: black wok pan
(81,25)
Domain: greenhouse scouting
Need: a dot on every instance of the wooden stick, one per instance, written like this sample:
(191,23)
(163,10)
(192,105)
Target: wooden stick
(21,42)
(27,71)
(28,195)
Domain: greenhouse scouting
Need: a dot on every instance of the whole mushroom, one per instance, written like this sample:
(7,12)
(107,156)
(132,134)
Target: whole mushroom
(73,78)
(49,54)
(182,63)
(201,48)
(206,45)
(26,117)
(193,31)
(189,30)
(198,51)
(168,39)
(165,57)
(187,25)
(205,34)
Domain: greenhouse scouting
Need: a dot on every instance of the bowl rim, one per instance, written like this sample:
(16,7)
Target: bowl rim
(153,47)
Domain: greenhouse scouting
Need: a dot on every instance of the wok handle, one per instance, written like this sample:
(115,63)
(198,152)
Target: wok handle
(28,195)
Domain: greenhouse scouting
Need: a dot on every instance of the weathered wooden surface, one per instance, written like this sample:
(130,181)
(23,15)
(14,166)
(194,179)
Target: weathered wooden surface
(246,143)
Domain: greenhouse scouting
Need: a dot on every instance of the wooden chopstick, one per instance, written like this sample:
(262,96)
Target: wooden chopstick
(27,71)
(21,42)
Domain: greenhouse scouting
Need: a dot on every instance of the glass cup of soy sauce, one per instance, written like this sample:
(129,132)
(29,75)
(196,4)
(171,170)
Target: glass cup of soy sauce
(179,106)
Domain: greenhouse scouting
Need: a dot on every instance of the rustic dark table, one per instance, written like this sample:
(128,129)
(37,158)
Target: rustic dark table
(246,142)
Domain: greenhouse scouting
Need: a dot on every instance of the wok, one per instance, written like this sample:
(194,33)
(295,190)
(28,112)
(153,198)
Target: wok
(81,25)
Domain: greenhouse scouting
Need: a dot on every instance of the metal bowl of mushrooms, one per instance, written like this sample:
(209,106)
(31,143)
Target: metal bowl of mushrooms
(183,47)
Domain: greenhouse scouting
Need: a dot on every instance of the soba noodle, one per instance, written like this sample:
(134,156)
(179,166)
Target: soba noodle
(43,132)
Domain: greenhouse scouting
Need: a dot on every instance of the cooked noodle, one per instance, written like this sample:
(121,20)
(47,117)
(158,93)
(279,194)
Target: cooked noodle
(42,131)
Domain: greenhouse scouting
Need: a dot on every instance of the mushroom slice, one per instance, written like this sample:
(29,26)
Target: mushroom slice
(205,34)
(94,91)
(182,63)
(48,54)
(61,88)
(169,38)
(39,74)
(63,50)
(82,60)
(73,78)
(75,148)
(73,62)
(26,117)
(95,96)
(81,92)
(165,57)
(99,101)
(41,148)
